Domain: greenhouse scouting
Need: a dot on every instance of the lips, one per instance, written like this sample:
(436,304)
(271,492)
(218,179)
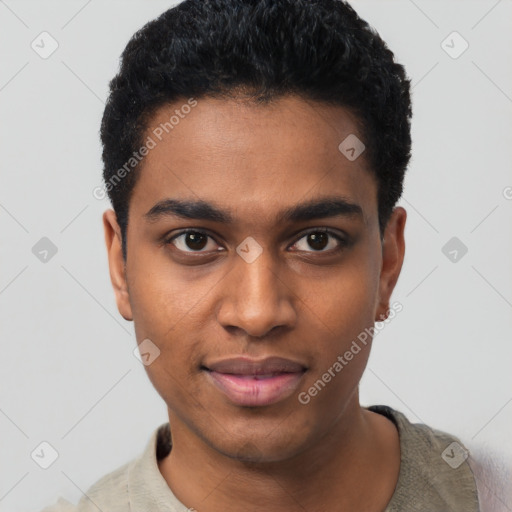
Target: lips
(245,366)
(251,383)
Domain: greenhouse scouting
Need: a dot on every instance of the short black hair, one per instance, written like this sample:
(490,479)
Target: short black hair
(318,49)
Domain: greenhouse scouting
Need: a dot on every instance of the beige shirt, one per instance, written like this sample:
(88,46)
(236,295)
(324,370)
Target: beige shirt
(434,476)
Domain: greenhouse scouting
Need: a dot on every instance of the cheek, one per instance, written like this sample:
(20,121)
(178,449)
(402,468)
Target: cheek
(162,296)
(343,305)
(341,313)
(342,347)
(167,310)
(175,332)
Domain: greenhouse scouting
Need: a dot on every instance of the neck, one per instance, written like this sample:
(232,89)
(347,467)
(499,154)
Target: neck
(361,452)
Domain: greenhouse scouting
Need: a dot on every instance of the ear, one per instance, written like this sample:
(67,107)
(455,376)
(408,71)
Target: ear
(393,250)
(116,263)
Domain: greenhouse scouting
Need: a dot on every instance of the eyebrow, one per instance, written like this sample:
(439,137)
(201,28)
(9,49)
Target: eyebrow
(202,210)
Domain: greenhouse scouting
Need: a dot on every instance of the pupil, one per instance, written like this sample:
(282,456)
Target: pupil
(318,241)
(195,241)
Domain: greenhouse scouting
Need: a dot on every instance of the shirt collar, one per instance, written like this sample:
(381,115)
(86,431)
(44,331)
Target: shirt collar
(147,488)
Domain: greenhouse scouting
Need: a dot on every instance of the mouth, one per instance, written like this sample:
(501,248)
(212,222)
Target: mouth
(255,383)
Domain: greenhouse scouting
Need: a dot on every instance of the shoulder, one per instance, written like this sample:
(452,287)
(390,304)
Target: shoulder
(434,470)
(112,491)
(108,493)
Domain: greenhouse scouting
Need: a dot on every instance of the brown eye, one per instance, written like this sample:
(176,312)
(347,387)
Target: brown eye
(320,240)
(193,241)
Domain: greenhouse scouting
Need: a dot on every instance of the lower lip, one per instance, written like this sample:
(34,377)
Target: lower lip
(249,392)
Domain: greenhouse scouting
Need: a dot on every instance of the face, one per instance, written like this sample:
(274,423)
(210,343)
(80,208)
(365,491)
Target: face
(254,260)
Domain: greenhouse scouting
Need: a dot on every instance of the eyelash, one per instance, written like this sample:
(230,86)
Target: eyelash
(343,241)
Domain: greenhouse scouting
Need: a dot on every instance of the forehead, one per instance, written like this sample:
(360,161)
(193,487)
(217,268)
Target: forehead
(252,159)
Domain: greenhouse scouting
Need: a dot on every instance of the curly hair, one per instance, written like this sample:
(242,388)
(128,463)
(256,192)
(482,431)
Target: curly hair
(318,49)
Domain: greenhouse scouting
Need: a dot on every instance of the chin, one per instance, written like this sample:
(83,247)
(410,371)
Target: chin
(262,444)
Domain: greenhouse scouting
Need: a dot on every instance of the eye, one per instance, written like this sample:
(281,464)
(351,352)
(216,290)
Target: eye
(316,240)
(193,241)
(321,240)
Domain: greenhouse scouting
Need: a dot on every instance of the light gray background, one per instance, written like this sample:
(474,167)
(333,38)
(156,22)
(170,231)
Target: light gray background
(69,376)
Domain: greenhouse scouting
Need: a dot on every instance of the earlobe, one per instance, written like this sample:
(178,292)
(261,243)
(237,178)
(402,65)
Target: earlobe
(393,251)
(116,264)
(382,312)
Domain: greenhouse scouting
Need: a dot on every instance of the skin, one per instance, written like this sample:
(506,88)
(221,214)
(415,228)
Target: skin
(294,301)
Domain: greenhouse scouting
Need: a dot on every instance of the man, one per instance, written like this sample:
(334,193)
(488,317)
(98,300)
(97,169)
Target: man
(254,153)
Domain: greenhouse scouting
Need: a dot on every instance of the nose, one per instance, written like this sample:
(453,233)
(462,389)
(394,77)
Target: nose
(256,298)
